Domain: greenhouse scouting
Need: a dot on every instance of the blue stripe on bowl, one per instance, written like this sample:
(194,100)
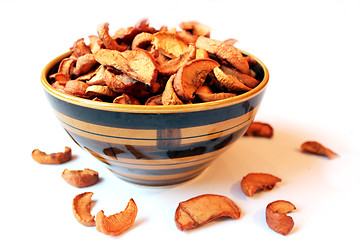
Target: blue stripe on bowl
(153,152)
(153,120)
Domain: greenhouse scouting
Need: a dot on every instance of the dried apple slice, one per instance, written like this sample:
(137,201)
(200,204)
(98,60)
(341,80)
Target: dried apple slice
(224,51)
(191,76)
(244,78)
(169,96)
(229,82)
(98,78)
(61,78)
(142,40)
(154,100)
(126,99)
(117,223)
(81,209)
(205,94)
(95,43)
(80,178)
(143,64)
(84,64)
(53,158)
(254,182)
(196,28)
(80,48)
(318,149)
(76,88)
(276,217)
(201,53)
(108,41)
(202,209)
(137,63)
(169,44)
(170,67)
(100,91)
(67,66)
(259,129)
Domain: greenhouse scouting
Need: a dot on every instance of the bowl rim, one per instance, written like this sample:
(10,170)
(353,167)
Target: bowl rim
(152,109)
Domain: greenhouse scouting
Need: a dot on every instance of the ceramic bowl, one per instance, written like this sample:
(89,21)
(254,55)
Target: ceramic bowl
(155,145)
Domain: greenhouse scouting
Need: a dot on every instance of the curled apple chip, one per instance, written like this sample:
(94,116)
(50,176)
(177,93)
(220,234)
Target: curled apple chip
(84,64)
(202,209)
(229,82)
(318,149)
(126,99)
(196,28)
(53,158)
(170,67)
(142,40)
(154,100)
(205,94)
(224,51)
(100,91)
(80,178)
(76,88)
(117,223)
(244,78)
(108,41)
(191,76)
(254,182)
(169,44)
(276,217)
(169,96)
(80,48)
(260,129)
(81,209)
(137,63)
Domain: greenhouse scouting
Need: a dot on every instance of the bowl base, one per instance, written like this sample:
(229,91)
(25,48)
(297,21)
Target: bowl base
(157,183)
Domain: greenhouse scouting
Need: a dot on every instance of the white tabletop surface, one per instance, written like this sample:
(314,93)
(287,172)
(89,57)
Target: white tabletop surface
(311,49)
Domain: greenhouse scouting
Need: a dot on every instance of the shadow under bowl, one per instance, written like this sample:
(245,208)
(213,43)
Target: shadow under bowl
(155,145)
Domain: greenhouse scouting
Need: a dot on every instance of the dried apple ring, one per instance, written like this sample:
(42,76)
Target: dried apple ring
(117,223)
(142,40)
(81,209)
(76,88)
(154,100)
(254,182)
(169,44)
(100,91)
(196,28)
(191,76)
(126,99)
(202,209)
(318,149)
(109,42)
(170,67)
(80,178)
(80,48)
(205,94)
(169,96)
(276,217)
(259,129)
(224,51)
(84,64)
(244,78)
(53,158)
(131,62)
(229,82)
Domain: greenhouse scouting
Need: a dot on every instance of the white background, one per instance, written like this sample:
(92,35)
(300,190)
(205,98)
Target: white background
(311,49)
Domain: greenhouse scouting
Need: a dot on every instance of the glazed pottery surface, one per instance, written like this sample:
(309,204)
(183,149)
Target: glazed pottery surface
(155,145)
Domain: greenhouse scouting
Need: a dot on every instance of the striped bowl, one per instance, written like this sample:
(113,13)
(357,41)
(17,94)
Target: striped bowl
(155,145)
